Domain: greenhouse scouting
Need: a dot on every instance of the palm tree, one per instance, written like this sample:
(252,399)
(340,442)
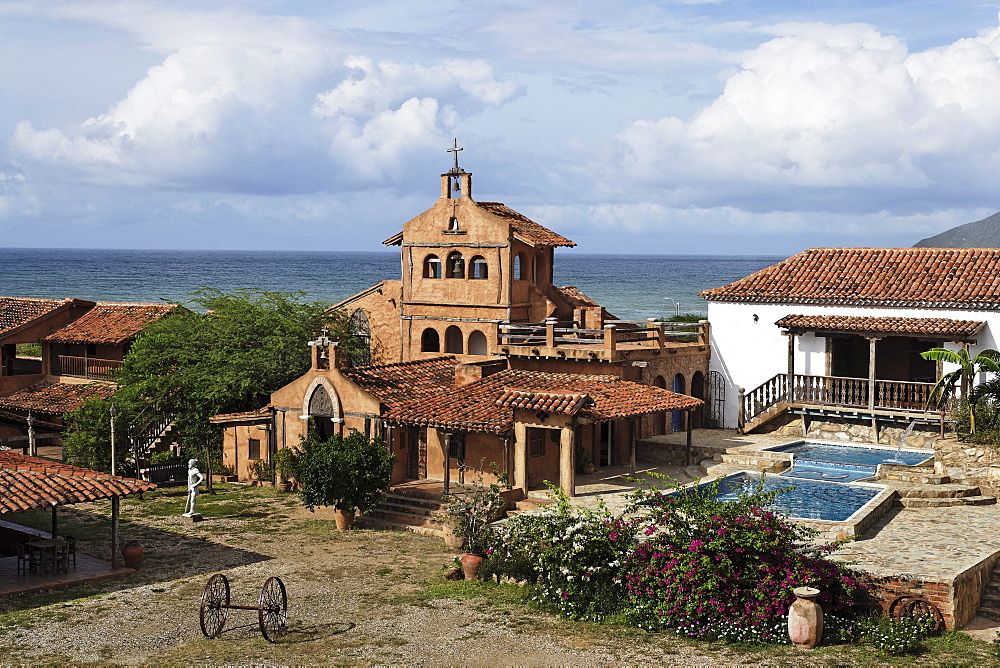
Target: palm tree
(964,376)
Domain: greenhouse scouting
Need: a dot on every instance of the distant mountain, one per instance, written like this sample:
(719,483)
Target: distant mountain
(983,233)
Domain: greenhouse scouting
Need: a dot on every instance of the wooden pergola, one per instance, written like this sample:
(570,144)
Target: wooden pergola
(34,483)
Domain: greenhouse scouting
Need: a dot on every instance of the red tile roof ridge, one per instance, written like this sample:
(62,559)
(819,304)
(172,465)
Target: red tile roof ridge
(394,365)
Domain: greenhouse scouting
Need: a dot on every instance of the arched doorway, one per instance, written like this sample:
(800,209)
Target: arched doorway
(677,419)
(453,340)
(698,391)
(322,413)
(360,353)
(477,343)
(660,419)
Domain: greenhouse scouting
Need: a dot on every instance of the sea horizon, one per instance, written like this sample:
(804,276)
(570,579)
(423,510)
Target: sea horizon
(632,286)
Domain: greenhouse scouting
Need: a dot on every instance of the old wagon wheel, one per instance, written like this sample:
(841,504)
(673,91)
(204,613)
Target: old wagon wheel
(914,608)
(214,605)
(273,609)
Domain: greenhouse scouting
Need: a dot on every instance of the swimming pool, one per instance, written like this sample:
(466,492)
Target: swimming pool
(842,462)
(807,499)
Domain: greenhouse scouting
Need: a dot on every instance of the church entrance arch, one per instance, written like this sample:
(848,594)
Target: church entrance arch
(322,407)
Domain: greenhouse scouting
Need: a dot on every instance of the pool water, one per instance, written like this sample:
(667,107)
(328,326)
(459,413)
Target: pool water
(833,462)
(807,499)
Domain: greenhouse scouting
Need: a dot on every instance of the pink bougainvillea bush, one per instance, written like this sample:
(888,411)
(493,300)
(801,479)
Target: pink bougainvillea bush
(714,569)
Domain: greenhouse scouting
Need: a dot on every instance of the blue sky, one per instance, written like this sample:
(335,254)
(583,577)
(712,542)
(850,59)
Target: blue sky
(729,127)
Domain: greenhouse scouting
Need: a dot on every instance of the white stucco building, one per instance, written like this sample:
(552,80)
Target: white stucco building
(843,329)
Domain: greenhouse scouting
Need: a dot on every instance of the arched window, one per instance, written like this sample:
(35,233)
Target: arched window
(453,340)
(360,351)
(477,343)
(519,267)
(432,267)
(478,268)
(456,265)
(430,342)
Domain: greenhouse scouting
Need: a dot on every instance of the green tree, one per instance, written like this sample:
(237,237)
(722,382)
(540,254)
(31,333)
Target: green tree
(349,473)
(221,353)
(964,376)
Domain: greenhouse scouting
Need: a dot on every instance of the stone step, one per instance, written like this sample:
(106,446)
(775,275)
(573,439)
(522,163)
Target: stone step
(422,507)
(416,501)
(948,502)
(990,612)
(759,460)
(946,491)
(694,471)
(409,519)
(532,503)
(369,522)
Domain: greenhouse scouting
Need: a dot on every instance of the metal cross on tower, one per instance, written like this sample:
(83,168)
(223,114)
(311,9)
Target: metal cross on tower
(454,150)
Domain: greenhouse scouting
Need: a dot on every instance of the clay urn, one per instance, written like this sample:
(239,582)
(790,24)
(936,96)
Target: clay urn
(132,554)
(805,618)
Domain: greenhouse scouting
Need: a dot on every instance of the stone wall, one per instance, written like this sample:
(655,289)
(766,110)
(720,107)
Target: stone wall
(857,431)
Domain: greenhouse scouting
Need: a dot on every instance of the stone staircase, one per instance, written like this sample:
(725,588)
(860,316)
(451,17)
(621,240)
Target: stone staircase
(989,604)
(940,495)
(418,511)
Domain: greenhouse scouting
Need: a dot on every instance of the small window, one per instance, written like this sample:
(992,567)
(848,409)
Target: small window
(477,343)
(253,448)
(453,340)
(478,268)
(456,446)
(432,267)
(430,342)
(536,442)
(520,267)
(456,265)
(453,224)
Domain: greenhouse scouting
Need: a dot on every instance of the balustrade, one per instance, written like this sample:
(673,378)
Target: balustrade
(86,367)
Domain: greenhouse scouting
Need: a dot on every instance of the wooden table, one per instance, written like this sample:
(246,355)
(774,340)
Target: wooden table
(48,553)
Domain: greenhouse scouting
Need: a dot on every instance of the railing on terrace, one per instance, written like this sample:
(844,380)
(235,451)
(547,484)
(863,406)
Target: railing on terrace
(86,367)
(835,391)
(652,334)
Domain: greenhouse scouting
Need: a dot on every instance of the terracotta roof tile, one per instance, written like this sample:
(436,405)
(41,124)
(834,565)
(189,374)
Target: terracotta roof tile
(481,406)
(912,277)
(31,483)
(550,402)
(16,312)
(110,322)
(55,398)
(886,325)
(523,226)
(398,385)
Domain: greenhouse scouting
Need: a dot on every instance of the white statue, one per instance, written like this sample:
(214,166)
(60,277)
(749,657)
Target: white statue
(195,478)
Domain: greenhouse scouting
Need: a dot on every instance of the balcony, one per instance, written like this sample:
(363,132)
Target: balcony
(619,340)
(85,367)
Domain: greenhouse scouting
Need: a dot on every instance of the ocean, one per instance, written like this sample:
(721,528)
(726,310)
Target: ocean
(632,287)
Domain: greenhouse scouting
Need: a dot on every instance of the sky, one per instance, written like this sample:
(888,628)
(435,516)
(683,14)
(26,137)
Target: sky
(744,127)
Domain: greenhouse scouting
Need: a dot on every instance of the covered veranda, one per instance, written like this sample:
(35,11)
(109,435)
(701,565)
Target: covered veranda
(33,483)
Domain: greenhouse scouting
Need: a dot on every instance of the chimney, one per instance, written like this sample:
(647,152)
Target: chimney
(466,374)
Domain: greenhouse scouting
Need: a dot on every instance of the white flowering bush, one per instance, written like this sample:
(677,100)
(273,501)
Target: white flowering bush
(572,555)
(894,636)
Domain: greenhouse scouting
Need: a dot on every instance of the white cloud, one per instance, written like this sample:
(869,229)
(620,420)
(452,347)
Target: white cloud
(821,106)
(256,113)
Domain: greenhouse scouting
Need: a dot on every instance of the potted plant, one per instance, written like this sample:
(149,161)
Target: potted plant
(470,515)
(284,464)
(349,473)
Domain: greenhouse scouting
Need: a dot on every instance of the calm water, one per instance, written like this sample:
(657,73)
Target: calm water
(808,499)
(632,287)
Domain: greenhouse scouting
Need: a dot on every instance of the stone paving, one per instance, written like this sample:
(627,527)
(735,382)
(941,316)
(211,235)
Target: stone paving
(931,544)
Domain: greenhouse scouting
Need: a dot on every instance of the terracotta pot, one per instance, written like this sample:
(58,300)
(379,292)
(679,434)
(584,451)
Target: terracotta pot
(805,619)
(345,519)
(132,554)
(285,486)
(471,564)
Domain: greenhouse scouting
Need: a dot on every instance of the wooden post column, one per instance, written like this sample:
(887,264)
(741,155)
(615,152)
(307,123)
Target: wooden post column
(871,371)
(567,463)
(444,440)
(687,443)
(791,367)
(521,457)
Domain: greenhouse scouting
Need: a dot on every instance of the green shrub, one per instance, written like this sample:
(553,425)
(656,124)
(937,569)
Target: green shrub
(350,474)
(702,565)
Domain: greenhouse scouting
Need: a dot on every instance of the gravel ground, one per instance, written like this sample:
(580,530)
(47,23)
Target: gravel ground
(354,598)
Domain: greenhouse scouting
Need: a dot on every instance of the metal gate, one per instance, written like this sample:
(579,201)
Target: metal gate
(715,401)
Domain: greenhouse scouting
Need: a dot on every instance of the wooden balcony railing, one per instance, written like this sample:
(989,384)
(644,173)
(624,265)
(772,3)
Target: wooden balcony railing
(615,336)
(85,367)
(835,391)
